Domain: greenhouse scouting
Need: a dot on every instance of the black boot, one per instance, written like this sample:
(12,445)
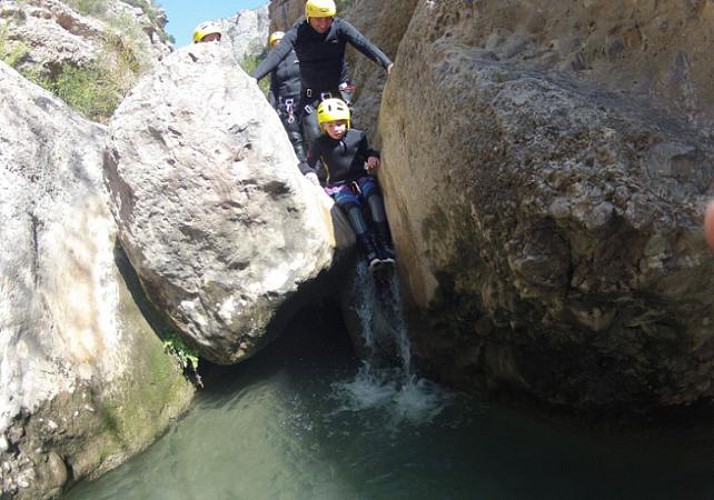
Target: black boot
(370,251)
(386,248)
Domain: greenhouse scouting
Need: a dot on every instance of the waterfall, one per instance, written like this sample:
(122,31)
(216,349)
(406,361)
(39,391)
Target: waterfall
(379,310)
(386,379)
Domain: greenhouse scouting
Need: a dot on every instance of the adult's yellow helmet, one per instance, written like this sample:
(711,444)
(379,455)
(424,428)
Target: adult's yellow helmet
(204,29)
(274,37)
(320,8)
(331,110)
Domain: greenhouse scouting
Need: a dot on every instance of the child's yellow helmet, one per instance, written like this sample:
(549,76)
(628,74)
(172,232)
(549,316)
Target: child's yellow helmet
(320,8)
(204,29)
(331,110)
(274,37)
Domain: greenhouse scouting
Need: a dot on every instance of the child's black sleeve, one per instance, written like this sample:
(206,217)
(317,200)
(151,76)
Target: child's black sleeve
(310,163)
(364,149)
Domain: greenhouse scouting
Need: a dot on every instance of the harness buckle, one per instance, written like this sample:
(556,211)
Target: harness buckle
(308,92)
(355,188)
(325,95)
(290,109)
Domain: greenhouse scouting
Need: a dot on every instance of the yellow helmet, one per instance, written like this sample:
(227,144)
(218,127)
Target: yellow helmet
(320,8)
(331,110)
(274,37)
(204,29)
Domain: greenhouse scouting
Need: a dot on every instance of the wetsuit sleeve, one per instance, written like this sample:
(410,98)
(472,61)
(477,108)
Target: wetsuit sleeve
(359,42)
(310,163)
(364,150)
(345,75)
(273,92)
(276,55)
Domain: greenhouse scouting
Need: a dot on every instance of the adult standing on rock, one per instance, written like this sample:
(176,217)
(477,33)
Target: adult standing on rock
(319,42)
(284,94)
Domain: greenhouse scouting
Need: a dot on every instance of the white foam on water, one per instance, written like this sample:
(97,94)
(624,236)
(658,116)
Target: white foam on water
(412,400)
(395,391)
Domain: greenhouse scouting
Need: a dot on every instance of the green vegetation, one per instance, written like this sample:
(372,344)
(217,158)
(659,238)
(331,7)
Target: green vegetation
(186,356)
(249,63)
(93,91)
(96,89)
(96,8)
(12,56)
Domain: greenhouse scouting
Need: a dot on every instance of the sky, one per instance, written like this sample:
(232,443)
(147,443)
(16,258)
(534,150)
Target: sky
(185,15)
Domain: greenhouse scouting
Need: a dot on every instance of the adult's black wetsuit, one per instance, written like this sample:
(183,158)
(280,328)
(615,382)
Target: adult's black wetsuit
(284,96)
(322,60)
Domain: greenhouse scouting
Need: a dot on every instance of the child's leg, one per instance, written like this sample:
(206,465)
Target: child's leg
(349,203)
(370,191)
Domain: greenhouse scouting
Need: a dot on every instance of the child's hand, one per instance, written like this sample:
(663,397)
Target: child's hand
(372,164)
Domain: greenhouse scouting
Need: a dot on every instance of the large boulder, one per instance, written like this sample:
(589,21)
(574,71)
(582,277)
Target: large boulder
(84,381)
(548,229)
(658,50)
(212,210)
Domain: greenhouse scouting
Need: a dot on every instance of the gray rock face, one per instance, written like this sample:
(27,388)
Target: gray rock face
(284,13)
(384,23)
(51,34)
(212,210)
(76,350)
(248,32)
(548,231)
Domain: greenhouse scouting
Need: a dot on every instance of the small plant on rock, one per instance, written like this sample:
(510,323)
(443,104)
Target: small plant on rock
(186,356)
(11,55)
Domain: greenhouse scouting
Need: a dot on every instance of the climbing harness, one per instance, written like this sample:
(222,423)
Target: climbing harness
(290,109)
(310,106)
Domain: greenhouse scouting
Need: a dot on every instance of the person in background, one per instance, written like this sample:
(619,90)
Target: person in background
(346,170)
(207,31)
(319,42)
(284,94)
(285,90)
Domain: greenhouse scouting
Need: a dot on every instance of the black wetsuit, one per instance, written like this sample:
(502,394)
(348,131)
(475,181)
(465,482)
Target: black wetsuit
(341,171)
(341,160)
(284,96)
(322,61)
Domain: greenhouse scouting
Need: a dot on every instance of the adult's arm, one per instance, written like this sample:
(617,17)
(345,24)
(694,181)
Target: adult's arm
(273,92)
(276,55)
(360,42)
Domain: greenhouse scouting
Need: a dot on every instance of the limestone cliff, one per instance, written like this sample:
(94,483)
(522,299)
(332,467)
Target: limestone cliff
(247,32)
(84,381)
(545,168)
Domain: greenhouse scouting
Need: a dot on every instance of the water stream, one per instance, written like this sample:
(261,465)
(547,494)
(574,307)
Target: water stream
(306,419)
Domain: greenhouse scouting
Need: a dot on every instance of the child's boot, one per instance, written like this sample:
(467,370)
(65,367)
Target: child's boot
(370,251)
(386,249)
